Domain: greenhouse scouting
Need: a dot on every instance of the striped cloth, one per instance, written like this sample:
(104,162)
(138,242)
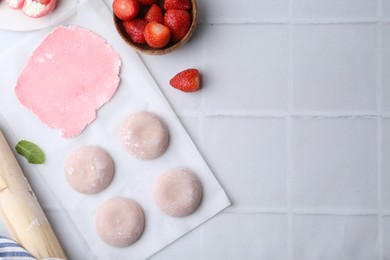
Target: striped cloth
(10,250)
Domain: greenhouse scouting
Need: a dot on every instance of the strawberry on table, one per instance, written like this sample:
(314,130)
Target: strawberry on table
(126,9)
(188,80)
(135,29)
(157,35)
(177,4)
(178,22)
(154,14)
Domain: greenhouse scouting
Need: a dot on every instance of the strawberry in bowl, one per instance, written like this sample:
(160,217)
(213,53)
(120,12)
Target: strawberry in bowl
(170,23)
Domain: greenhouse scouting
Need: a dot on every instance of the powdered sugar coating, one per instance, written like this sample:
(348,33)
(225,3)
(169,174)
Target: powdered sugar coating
(119,221)
(69,76)
(89,169)
(35,9)
(15,4)
(145,135)
(177,192)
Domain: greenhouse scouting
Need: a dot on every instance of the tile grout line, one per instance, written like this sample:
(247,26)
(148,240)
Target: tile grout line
(285,115)
(290,83)
(303,211)
(379,130)
(380,212)
(286,21)
(297,212)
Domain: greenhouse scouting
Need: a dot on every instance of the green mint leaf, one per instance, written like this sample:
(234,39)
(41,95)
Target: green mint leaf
(31,151)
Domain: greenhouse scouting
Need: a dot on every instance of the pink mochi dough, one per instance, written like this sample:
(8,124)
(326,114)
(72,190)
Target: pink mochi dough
(71,74)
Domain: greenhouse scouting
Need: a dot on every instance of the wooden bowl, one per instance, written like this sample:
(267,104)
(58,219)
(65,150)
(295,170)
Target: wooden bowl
(144,48)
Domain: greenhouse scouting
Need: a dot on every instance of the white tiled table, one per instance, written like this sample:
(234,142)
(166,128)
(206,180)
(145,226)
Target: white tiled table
(294,120)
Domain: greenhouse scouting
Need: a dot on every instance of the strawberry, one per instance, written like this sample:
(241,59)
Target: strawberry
(135,29)
(178,22)
(177,4)
(154,14)
(146,2)
(125,9)
(157,35)
(188,80)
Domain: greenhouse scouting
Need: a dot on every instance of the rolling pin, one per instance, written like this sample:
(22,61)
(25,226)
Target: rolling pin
(20,209)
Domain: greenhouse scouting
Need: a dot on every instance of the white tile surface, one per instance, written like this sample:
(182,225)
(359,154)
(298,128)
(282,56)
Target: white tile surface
(252,10)
(332,62)
(386,67)
(190,246)
(334,237)
(296,57)
(386,8)
(386,164)
(334,163)
(242,237)
(386,237)
(249,157)
(251,69)
(335,9)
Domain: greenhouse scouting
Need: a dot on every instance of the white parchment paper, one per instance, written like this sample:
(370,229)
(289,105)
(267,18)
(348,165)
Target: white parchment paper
(133,178)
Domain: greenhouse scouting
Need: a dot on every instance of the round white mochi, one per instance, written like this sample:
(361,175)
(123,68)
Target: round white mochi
(89,169)
(145,135)
(119,221)
(177,192)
